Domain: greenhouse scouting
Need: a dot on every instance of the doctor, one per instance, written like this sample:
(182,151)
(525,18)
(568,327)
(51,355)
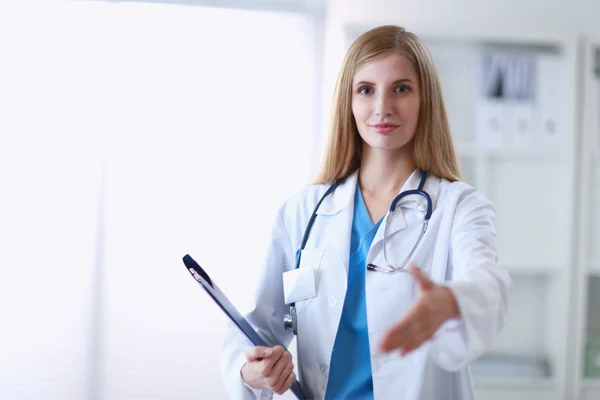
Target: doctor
(385,305)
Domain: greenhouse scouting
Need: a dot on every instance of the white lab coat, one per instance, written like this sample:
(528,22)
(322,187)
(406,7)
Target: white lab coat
(458,250)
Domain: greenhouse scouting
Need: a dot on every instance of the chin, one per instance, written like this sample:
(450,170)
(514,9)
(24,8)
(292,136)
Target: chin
(387,145)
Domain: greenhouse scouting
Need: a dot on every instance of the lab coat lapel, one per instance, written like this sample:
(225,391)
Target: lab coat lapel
(338,209)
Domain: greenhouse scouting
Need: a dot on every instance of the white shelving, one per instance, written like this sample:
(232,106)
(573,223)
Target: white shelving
(516,388)
(532,188)
(594,217)
(591,384)
(586,321)
(591,343)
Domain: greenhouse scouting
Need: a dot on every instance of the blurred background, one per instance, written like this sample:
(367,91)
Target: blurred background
(133,133)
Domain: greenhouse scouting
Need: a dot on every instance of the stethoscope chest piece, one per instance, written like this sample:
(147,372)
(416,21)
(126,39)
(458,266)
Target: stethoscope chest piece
(290,321)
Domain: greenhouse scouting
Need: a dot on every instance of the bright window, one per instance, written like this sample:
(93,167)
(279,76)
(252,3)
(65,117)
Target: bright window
(204,120)
(214,114)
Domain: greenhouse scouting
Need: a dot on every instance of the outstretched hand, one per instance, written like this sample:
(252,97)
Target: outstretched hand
(435,306)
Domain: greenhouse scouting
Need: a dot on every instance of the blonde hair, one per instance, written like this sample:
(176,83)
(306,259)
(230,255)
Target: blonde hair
(433,148)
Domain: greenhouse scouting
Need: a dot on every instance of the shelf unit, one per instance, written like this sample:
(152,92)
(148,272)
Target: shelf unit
(586,321)
(535,219)
(534,188)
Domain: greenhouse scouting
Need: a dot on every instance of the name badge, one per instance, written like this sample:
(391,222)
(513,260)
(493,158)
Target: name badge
(299,284)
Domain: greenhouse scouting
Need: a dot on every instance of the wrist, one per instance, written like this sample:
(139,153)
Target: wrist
(249,378)
(452,310)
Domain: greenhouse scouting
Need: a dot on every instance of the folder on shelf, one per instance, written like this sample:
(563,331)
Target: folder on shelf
(505,108)
(550,85)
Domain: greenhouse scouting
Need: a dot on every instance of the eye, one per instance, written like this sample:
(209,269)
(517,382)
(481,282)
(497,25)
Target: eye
(402,89)
(365,90)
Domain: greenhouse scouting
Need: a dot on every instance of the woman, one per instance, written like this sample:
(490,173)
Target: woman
(382,309)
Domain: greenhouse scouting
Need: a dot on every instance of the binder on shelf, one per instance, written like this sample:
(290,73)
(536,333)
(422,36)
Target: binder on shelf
(595,96)
(550,85)
(592,355)
(521,123)
(505,111)
(491,123)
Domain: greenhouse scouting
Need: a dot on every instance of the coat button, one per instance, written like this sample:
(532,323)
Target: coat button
(332,301)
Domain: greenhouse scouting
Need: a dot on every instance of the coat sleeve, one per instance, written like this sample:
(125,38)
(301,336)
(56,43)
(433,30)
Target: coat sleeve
(266,315)
(480,286)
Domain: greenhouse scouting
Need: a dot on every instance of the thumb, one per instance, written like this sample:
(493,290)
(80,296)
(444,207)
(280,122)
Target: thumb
(257,353)
(424,282)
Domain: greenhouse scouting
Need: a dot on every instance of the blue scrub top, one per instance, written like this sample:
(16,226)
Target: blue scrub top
(350,371)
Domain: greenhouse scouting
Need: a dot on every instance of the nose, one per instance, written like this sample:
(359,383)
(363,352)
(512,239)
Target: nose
(383,105)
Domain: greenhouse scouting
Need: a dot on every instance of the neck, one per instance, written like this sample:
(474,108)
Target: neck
(384,172)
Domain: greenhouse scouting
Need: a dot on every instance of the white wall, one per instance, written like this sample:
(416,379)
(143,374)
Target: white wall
(562,15)
(217,118)
(50,156)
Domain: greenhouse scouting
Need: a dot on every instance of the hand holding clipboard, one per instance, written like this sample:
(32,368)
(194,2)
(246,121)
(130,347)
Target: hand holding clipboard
(215,293)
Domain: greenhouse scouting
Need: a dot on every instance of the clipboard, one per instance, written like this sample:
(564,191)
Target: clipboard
(228,308)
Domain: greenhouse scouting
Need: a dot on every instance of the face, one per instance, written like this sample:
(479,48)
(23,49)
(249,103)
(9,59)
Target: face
(386,102)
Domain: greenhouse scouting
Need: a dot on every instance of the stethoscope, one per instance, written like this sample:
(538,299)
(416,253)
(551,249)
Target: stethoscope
(289,320)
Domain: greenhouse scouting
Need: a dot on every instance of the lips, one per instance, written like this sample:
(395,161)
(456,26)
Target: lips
(384,128)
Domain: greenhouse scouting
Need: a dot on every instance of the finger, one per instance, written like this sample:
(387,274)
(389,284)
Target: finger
(269,362)
(279,366)
(400,333)
(287,384)
(416,341)
(289,368)
(257,353)
(277,351)
(274,374)
(424,282)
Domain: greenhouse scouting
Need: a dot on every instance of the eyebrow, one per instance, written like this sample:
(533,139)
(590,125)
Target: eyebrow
(393,83)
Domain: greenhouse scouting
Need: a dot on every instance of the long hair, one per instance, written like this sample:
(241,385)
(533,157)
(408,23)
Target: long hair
(432,144)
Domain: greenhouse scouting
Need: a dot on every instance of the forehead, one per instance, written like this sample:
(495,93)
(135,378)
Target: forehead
(389,68)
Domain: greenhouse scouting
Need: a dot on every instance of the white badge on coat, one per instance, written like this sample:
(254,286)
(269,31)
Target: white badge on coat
(299,284)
